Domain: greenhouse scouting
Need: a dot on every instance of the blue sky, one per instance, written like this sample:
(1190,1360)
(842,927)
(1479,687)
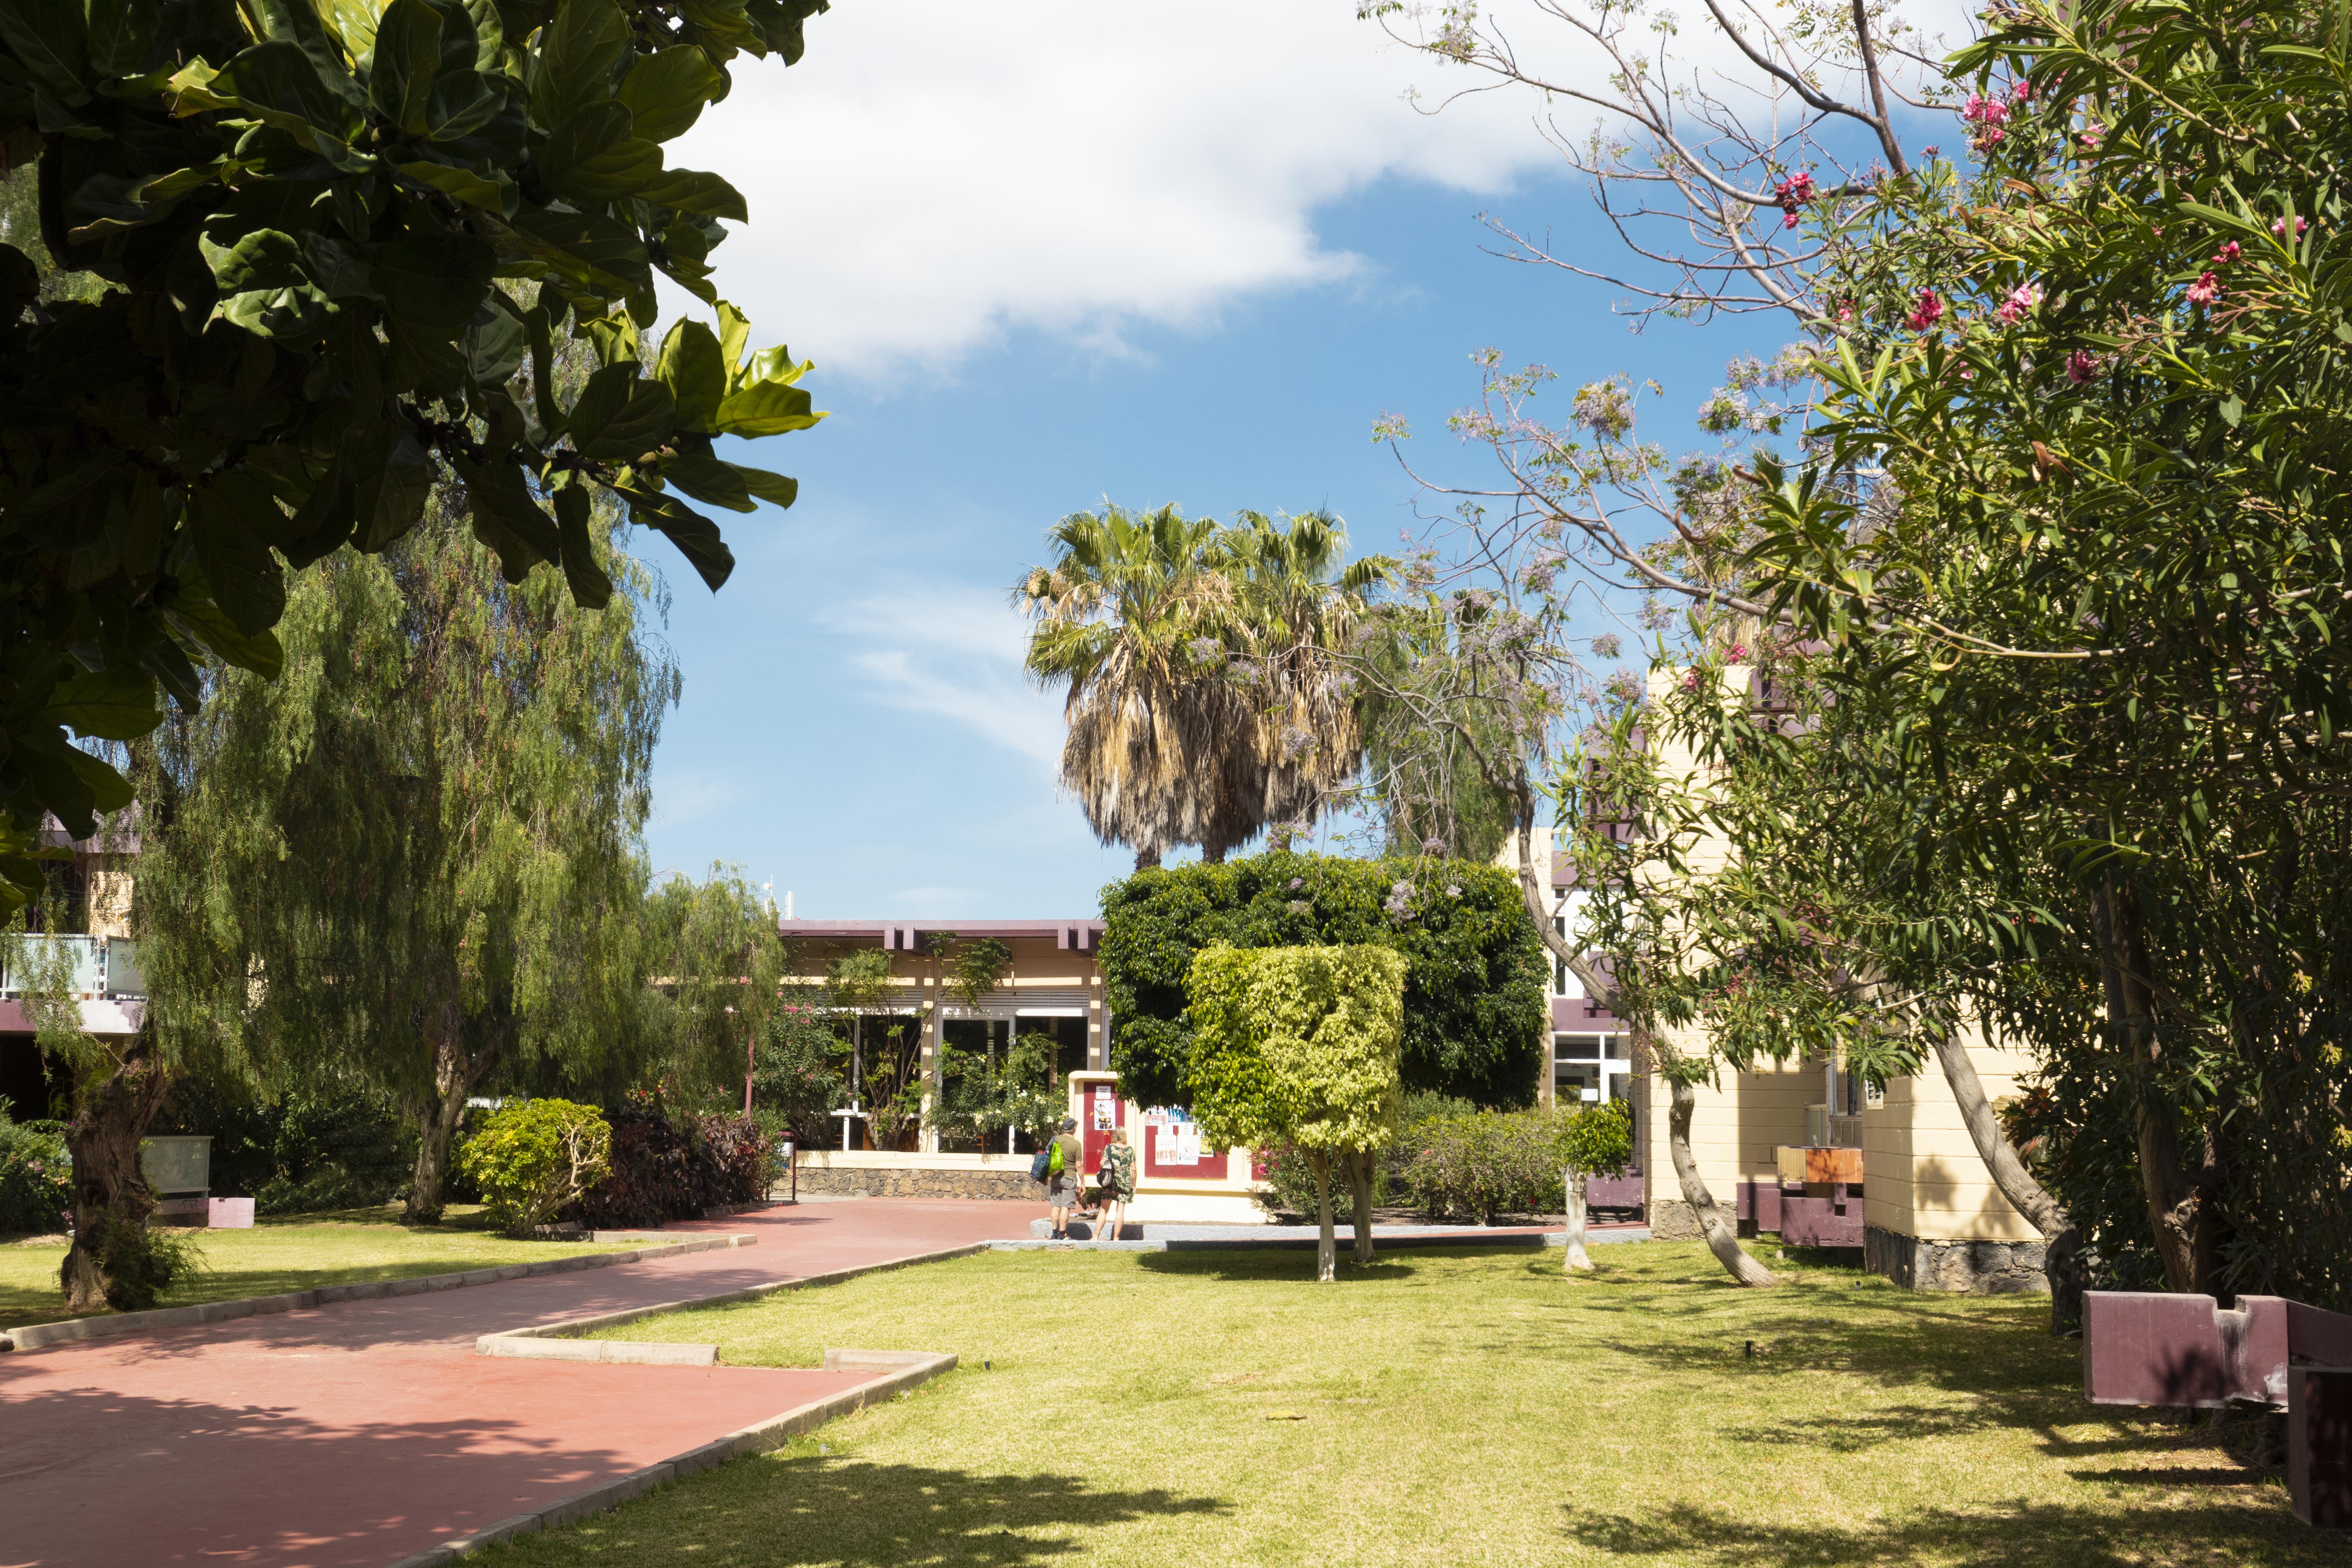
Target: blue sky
(1196,288)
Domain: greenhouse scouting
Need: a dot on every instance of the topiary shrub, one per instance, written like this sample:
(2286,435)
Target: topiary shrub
(532,1158)
(36,1186)
(1477,1020)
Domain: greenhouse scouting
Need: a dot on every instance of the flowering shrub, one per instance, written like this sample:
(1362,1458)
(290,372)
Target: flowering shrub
(533,1157)
(34,1186)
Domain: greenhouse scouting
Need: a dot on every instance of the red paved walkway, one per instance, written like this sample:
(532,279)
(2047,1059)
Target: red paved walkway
(353,1435)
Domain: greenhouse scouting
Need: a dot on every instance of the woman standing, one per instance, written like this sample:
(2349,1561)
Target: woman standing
(1117,1184)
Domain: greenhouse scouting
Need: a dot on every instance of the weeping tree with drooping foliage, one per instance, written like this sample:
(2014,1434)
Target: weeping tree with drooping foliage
(418,852)
(1302,1045)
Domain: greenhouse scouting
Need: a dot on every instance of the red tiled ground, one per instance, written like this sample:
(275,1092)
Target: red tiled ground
(358,1433)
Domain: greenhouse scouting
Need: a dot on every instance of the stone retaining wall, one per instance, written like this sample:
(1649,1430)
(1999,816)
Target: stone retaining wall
(1964,1267)
(898,1183)
(1673,1219)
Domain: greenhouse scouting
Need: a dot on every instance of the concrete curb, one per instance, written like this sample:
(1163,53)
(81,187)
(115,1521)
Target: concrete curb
(70,1330)
(912,1369)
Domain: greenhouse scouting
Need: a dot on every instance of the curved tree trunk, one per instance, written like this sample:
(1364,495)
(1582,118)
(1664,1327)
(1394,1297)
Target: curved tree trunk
(1327,1249)
(2061,1258)
(1578,1260)
(109,1191)
(1360,1181)
(456,1071)
(1722,1239)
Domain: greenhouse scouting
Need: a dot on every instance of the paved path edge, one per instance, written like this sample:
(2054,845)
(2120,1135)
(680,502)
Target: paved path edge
(772,1433)
(72,1331)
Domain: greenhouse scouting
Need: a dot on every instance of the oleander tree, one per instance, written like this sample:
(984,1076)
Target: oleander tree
(305,248)
(1301,1044)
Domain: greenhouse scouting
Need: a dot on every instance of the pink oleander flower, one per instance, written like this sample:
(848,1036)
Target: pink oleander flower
(2022,92)
(2226,255)
(2205,290)
(2279,227)
(2018,305)
(2091,136)
(1737,652)
(2081,367)
(1794,192)
(1926,313)
(1984,110)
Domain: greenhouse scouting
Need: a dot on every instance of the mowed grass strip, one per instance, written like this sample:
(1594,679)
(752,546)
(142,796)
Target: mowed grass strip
(294,1252)
(1160,1409)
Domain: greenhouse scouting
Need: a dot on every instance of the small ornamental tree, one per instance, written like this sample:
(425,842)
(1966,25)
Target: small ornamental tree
(535,1157)
(1302,1044)
(1595,1140)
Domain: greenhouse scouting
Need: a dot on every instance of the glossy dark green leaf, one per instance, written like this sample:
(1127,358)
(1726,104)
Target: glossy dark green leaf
(665,91)
(258,259)
(697,537)
(590,586)
(689,190)
(506,517)
(707,480)
(619,416)
(394,476)
(194,614)
(113,704)
(436,281)
(694,368)
(578,53)
(245,581)
(128,37)
(49,40)
(778,489)
(407,58)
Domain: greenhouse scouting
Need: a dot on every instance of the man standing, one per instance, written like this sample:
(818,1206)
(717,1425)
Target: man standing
(1064,1159)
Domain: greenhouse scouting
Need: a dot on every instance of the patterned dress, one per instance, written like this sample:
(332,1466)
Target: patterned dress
(1119,1173)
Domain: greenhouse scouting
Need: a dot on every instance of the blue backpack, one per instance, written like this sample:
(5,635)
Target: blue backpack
(1042,1165)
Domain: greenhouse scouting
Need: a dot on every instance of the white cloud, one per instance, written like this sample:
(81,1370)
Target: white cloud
(935,173)
(953,653)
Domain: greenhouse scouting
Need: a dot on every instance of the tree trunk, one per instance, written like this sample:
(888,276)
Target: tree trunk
(1147,858)
(1722,1239)
(456,1071)
(1578,1260)
(111,1116)
(1327,1249)
(2179,1209)
(2062,1255)
(1359,1179)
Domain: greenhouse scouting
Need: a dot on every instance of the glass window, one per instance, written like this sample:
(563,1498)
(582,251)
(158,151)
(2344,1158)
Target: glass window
(1576,1047)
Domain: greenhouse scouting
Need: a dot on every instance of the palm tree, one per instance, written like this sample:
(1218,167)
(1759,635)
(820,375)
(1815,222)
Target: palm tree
(1204,693)
(1133,617)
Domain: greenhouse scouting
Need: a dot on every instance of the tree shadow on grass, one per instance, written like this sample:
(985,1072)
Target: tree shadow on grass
(2246,1529)
(777,1512)
(1289,1266)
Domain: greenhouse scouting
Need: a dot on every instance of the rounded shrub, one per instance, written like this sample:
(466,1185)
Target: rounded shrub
(532,1157)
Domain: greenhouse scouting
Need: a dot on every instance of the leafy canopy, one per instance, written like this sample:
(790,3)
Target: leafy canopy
(1299,1044)
(330,233)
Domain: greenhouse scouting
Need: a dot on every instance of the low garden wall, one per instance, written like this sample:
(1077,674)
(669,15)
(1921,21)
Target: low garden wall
(1964,1267)
(873,1174)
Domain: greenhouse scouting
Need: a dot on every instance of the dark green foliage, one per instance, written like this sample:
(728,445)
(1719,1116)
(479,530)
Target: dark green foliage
(141,1263)
(310,245)
(666,1168)
(1290,1180)
(34,1189)
(326,1146)
(1484,1165)
(793,1076)
(1474,1001)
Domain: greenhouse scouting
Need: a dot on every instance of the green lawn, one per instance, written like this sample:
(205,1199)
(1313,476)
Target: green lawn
(1451,1410)
(292,1252)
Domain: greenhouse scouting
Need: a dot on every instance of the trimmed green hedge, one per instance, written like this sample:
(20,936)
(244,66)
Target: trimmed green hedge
(1477,1014)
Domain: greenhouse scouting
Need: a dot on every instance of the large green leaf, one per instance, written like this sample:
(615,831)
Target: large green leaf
(765,408)
(577,56)
(193,612)
(113,704)
(707,480)
(691,191)
(49,40)
(591,155)
(277,82)
(697,537)
(593,251)
(245,580)
(258,259)
(619,416)
(128,37)
(665,91)
(407,57)
(694,368)
(395,474)
(779,489)
(505,516)
(590,586)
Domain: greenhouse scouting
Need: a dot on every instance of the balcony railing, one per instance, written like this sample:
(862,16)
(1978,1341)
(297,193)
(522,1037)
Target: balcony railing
(101,966)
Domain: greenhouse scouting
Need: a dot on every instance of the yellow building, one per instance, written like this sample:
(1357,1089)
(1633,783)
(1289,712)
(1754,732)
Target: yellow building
(1927,1213)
